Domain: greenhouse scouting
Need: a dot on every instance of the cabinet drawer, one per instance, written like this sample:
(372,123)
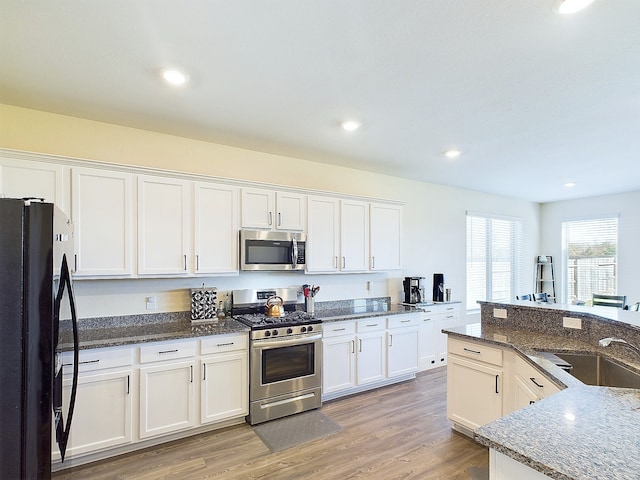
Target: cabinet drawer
(371,324)
(401,321)
(156,352)
(97,359)
(336,329)
(534,379)
(476,351)
(224,343)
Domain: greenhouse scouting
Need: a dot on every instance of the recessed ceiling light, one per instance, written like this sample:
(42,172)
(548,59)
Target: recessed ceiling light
(350,125)
(570,184)
(453,153)
(174,77)
(567,7)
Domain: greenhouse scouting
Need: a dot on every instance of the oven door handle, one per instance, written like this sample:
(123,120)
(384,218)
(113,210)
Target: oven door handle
(274,343)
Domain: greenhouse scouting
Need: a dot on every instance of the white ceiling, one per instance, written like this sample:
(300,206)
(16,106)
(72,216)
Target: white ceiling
(534,99)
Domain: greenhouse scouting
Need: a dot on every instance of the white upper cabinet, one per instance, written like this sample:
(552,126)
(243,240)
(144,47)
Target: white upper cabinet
(102,214)
(164,225)
(354,236)
(23,178)
(323,236)
(215,228)
(386,237)
(267,209)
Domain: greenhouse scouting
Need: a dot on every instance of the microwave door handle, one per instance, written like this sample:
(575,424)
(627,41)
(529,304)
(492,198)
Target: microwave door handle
(294,252)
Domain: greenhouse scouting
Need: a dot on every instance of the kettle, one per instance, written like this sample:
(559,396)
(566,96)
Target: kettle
(274,307)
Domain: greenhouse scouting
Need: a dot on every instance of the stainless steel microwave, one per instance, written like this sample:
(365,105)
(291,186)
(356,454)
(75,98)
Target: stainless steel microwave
(272,251)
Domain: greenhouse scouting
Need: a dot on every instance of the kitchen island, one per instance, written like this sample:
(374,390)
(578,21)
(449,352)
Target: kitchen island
(583,432)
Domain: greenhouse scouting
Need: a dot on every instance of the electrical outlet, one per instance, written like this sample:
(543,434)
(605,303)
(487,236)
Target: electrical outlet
(570,322)
(499,313)
(151,303)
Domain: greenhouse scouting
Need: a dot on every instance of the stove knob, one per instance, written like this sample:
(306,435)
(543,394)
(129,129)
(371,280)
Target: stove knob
(275,332)
(309,328)
(267,333)
(289,331)
(303,329)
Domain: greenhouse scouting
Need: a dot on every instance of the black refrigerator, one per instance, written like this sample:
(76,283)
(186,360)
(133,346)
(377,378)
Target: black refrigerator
(32,286)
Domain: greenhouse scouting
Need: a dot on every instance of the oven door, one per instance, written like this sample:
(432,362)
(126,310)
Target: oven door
(286,365)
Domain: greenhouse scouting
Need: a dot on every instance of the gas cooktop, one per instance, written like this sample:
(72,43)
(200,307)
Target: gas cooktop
(260,321)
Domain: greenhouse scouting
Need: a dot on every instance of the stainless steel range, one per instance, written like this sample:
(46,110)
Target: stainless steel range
(285,356)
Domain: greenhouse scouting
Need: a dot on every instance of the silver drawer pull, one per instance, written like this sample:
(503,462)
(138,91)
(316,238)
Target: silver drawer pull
(450,316)
(225,344)
(471,351)
(450,308)
(405,321)
(339,329)
(168,351)
(372,325)
(88,361)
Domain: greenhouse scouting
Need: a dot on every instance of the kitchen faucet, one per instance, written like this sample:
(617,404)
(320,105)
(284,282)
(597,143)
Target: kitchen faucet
(605,342)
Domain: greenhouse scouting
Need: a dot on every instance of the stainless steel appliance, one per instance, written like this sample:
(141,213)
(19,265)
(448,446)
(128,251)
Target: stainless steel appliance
(31,375)
(285,356)
(269,251)
(413,290)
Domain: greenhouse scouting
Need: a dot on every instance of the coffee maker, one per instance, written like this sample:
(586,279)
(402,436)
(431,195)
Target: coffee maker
(413,290)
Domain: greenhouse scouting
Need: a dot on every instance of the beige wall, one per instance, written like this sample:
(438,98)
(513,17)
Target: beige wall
(434,216)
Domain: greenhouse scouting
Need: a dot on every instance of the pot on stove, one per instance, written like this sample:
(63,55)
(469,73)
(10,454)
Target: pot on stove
(274,307)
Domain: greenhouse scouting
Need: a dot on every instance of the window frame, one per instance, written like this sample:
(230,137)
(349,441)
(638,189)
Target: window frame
(516,263)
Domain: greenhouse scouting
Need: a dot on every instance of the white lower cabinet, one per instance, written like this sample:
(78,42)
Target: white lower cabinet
(368,353)
(224,389)
(486,382)
(102,416)
(166,398)
(402,344)
(433,343)
(130,397)
(339,357)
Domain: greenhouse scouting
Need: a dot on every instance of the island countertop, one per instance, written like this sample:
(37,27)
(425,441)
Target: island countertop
(583,431)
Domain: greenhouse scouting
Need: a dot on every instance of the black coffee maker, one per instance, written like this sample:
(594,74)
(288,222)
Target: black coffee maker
(413,290)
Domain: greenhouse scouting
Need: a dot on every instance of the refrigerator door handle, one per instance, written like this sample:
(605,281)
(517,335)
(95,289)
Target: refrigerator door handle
(62,429)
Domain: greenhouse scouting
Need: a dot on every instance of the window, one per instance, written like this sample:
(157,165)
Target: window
(494,259)
(590,254)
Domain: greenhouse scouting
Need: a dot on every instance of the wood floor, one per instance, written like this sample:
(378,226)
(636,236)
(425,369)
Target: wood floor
(396,432)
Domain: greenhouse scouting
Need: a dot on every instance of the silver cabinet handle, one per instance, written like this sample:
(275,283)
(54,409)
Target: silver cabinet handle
(191,373)
(197,262)
(335,262)
(204,371)
(353,346)
(225,344)
(471,351)
(128,385)
(533,379)
(373,262)
(344,262)
(279,219)
(497,381)
(360,345)
(390,340)
(185,262)
(168,351)
(270,218)
(339,329)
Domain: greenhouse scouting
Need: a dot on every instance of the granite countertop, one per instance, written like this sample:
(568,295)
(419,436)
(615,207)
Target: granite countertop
(355,312)
(581,433)
(110,332)
(576,434)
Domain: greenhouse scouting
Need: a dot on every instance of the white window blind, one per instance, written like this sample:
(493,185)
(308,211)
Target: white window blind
(590,249)
(494,259)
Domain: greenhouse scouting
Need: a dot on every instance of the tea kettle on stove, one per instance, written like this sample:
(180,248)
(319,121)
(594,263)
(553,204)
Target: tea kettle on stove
(274,307)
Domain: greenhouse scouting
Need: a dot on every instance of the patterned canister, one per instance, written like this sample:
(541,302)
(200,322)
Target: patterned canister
(203,303)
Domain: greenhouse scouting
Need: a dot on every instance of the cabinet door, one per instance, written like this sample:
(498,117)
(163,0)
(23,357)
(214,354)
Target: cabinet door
(291,211)
(448,319)
(523,395)
(386,237)
(257,208)
(102,213)
(354,236)
(166,398)
(428,343)
(474,392)
(323,234)
(338,365)
(23,178)
(215,228)
(371,359)
(225,386)
(402,352)
(102,412)
(164,225)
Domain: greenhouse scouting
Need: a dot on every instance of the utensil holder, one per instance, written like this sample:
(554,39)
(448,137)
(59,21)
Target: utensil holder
(309,305)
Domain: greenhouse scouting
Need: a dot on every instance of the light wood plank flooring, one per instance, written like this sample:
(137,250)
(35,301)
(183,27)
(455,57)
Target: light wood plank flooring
(396,432)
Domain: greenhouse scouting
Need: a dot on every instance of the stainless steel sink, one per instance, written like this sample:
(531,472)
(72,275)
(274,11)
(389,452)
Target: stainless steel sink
(597,370)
